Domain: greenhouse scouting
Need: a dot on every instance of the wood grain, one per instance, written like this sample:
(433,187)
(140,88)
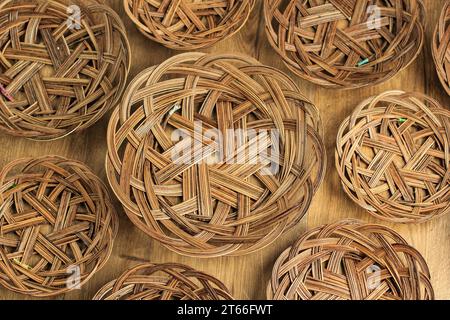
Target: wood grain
(247,276)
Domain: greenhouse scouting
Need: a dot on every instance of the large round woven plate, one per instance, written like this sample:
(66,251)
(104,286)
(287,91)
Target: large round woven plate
(214,154)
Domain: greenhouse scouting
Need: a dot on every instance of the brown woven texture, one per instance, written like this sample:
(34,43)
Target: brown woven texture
(57,225)
(57,79)
(188,24)
(393,157)
(233,206)
(167,281)
(350,260)
(327,42)
(441,47)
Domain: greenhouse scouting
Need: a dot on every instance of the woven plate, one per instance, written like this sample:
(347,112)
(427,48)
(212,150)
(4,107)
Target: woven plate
(57,225)
(205,195)
(345,44)
(441,47)
(168,281)
(393,157)
(59,74)
(350,260)
(188,24)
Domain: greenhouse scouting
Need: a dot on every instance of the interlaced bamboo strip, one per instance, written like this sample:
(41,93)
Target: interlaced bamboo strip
(57,78)
(441,47)
(188,24)
(345,44)
(167,281)
(235,206)
(350,260)
(393,157)
(57,225)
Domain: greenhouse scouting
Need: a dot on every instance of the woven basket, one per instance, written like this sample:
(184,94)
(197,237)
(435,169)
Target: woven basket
(188,24)
(206,195)
(393,157)
(350,260)
(57,225)
(345,44)
(168,281)
(59,74)
(441,47)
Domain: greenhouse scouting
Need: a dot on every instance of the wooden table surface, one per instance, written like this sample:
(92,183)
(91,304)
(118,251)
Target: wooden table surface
(247,276)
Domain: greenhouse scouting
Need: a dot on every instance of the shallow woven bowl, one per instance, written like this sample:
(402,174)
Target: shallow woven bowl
(188,24)
(393,157)
(57,225)
(167,281)
(205,194)
(62,67)
(345,44)
(350,260)
(441,47)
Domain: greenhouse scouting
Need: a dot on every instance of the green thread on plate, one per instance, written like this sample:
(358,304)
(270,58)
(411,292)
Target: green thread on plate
(363,62)
(12,187)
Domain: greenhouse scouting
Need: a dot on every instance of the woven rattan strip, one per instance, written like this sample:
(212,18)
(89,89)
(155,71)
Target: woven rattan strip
(59,72)
(57,225)
(441,47)
(345,44)
(393,157)
(168,281)
(188,24)
(249,160)
(350,260)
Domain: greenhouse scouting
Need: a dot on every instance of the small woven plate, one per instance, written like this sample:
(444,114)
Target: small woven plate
(188,24)
(57,225)
(350,260)
(168,281)
(346,44)
(214,154)
(62,66)
(441,47)
(393,157)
